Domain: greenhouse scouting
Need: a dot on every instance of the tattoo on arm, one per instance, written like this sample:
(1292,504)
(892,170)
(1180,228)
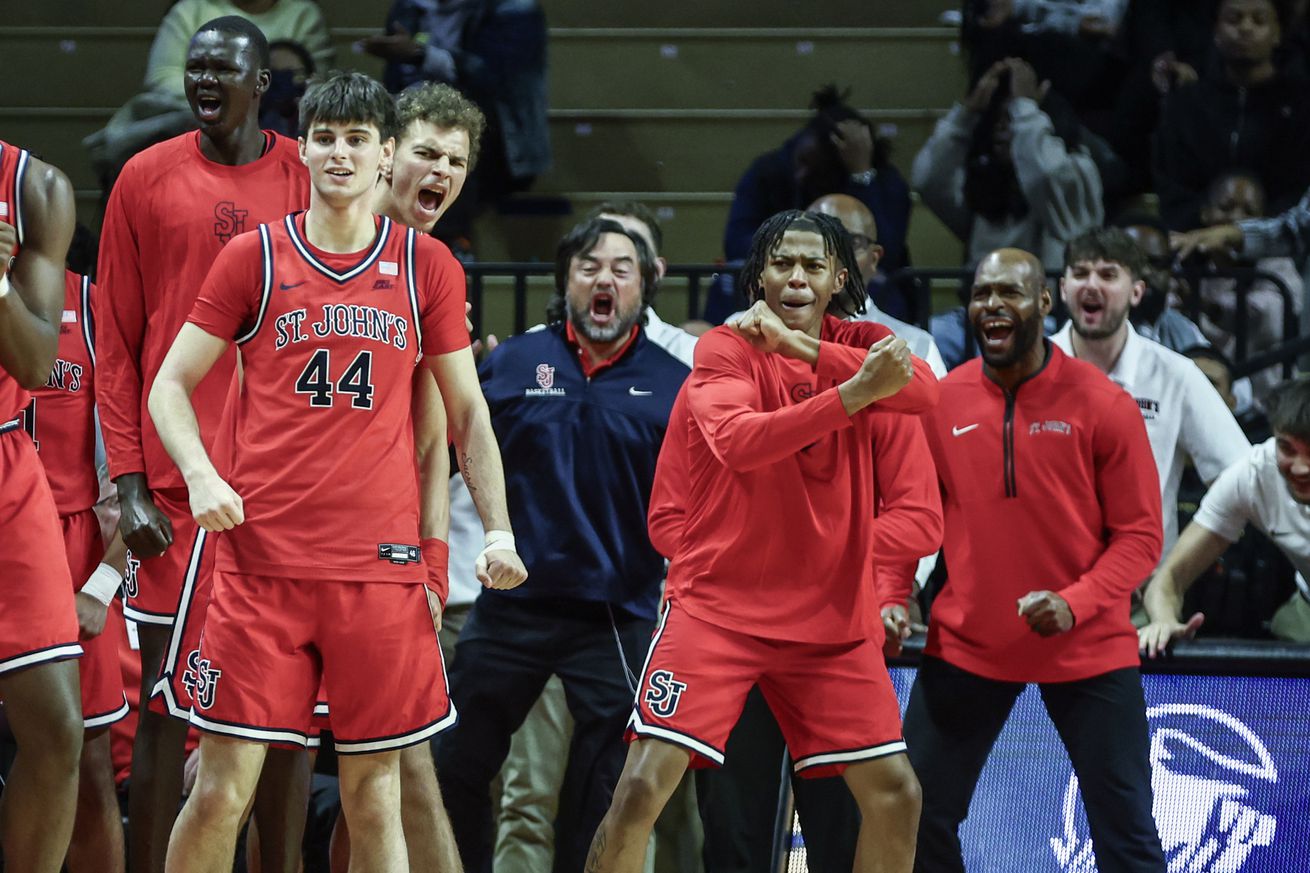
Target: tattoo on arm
(466,468)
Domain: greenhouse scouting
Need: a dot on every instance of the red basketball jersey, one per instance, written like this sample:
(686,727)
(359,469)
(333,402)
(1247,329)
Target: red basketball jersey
(13,165)
(61,417)
(324,450)
(171,211)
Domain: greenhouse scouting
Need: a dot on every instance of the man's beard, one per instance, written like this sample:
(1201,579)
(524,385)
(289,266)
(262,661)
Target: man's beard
(620,327)
(1109,328)
(1026,333)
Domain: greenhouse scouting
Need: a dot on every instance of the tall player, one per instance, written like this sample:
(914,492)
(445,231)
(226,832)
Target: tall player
(320,574)
(172,210)
(61,420)
(38,626)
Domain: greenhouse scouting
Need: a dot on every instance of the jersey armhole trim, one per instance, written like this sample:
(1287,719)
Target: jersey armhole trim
(412,287)
(88,328)
(19,175)
(266,252)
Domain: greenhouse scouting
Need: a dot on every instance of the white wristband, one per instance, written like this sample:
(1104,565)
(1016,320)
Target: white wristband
(497,540)
(103,584)
(5,287)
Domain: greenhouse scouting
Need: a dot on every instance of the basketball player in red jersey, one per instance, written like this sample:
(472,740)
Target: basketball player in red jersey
(320,573)
(172,210)
(438,132)
(38,625)
(61,420)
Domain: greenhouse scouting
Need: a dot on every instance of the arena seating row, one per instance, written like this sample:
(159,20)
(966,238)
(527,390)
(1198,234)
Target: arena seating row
(663,102)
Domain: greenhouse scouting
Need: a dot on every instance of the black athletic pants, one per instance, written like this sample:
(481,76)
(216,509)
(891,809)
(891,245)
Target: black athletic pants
(953,719)
(507,650)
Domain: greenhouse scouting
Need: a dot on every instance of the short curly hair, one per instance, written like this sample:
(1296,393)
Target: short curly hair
(442,106)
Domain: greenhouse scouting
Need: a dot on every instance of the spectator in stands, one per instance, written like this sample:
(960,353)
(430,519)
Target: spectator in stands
(1219,370)
(1161,44)
(1155,316)
(836,151)
(1269,488)
(290,66)
(858,221)
(1244,113)
(1234,197)
(160,110)
(1067,41)
(495,52)
(1007,168)
(1103,279)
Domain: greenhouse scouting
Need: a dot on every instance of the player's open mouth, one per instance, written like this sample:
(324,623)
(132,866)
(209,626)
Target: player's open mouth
(341,173)
(430,200)
(602,307)
(997,331)
(208,107)
(796,303)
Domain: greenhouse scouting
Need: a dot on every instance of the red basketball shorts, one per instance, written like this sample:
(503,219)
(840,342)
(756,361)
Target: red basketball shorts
(268,641)
(833,701)
(154,585)
(38,622)
(170,696)
(103,701)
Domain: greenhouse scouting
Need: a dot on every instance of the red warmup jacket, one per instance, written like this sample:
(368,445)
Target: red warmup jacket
(171,212)
(766,491)
(1050,488)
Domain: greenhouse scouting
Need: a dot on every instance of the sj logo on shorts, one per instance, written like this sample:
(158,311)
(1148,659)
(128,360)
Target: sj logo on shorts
(664,693)
(200,679)
(129,575)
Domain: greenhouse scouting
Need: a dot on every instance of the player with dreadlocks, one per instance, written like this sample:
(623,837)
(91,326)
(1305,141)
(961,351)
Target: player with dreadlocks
(790,431)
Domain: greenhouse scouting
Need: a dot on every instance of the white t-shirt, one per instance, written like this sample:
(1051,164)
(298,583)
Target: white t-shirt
(1252,490)
(919,340)
(1184,415)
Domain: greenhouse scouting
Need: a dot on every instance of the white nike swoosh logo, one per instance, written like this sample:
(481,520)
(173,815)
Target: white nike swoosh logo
(637,392)
(957,431)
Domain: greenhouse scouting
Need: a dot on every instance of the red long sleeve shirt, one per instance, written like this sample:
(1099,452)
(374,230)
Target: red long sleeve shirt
(1050,488)
(171,211)
(766,490)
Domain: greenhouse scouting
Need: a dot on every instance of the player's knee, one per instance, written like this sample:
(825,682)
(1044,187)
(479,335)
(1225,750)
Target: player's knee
(57,750)
(371,797)
(218,800)
(640,795)
(886,784)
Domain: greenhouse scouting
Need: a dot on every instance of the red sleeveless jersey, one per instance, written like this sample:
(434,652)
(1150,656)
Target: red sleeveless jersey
(324,449)
(13,165)
(61,417)
(171,211)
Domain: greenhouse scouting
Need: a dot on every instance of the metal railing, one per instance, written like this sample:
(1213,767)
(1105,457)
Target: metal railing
(916,283)
(697,277)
